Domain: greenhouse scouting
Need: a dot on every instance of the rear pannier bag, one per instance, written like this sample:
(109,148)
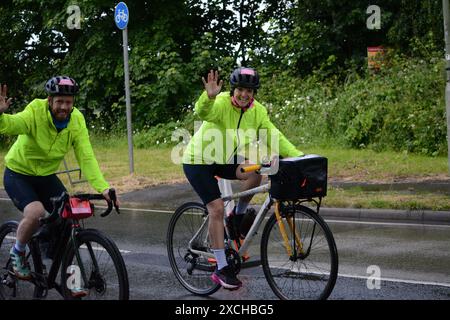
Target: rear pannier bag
(300,178)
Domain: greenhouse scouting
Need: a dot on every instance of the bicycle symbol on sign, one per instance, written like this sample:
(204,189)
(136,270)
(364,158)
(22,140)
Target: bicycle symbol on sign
(121,16)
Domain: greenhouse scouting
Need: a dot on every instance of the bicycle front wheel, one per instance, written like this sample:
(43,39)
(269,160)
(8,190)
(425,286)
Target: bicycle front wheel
(188,229)
(299,257)
(101,270)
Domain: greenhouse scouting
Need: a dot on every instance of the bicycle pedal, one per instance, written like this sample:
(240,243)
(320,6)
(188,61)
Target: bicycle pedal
(18,277)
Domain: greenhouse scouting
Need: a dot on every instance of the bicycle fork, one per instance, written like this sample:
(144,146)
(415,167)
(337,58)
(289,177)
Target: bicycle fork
(298,244)
(78,256)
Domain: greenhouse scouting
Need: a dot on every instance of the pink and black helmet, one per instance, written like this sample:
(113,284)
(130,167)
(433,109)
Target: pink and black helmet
(245,78)
(61,86)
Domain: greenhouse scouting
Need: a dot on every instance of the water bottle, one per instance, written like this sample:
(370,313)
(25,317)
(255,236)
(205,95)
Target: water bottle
(247,222)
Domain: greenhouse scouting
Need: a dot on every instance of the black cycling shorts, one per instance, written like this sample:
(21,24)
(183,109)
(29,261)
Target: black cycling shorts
(23,189)
(202,178)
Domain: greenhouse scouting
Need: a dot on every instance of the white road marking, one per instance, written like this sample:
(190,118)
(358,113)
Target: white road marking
(103,249)
(83,246)
(396,224)
(427,283)
(326,219)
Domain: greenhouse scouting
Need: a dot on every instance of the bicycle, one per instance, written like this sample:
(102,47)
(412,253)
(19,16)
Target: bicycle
(85,257)
(121,16)
(298,252)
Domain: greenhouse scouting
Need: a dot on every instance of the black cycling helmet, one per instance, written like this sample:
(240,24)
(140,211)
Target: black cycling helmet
(245,78)
(61,86)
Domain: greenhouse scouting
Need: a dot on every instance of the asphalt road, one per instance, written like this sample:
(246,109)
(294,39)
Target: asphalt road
(413,260)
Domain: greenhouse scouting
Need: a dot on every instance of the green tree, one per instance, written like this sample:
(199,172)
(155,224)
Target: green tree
(331,36)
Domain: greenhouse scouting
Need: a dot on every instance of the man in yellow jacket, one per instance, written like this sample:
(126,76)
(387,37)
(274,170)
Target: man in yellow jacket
(46,130)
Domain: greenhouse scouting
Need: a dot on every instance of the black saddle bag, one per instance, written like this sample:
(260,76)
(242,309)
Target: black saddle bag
(300,178)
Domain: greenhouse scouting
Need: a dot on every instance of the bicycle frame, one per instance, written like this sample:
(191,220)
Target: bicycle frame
(292,251)
(48,281)
(258,220)
(290,235)
(265,207)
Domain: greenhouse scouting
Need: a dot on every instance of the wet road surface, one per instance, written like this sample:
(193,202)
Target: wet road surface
(412,260)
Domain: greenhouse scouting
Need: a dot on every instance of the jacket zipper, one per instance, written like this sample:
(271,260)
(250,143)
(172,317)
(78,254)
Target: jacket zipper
(237,133)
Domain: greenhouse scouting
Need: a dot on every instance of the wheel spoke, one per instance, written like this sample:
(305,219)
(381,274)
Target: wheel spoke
(307,276)
(103,266)
(185,233)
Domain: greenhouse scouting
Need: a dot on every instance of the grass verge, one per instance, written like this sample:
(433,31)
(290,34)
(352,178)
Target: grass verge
(153,166)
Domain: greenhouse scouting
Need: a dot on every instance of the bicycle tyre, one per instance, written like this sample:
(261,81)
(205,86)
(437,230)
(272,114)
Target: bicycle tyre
(116,281)
(193,272)
(21,290)
(311,277)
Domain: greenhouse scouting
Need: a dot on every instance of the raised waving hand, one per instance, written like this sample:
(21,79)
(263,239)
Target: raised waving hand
(4,101)
(212,86)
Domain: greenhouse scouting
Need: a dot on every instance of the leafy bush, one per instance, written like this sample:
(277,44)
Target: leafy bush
(157,135)
(401,108)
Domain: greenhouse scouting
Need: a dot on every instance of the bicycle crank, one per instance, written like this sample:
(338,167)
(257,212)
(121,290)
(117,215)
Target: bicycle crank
(233,259)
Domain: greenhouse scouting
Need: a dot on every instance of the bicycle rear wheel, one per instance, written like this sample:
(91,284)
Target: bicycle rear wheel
(309,273)
(12,288)
(107,277)
(189,226)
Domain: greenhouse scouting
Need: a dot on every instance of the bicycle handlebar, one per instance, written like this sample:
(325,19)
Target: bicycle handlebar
(264,168)
(251,168)
(112,196)
(59,202)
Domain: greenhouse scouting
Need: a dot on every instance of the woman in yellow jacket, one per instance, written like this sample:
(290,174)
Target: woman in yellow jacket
(46,129)
(213,151)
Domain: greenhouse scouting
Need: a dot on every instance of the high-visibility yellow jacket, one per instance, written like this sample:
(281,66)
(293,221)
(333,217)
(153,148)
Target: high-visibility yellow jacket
(217,140)
(40,148)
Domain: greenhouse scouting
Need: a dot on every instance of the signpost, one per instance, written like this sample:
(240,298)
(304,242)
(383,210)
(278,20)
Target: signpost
(121,18)
(445,9)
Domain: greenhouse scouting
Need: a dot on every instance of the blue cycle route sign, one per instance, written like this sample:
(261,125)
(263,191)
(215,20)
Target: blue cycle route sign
(121,15)
(121,18)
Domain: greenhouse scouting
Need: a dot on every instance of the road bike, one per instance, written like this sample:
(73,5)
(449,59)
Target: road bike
(298,253)
(85,258)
